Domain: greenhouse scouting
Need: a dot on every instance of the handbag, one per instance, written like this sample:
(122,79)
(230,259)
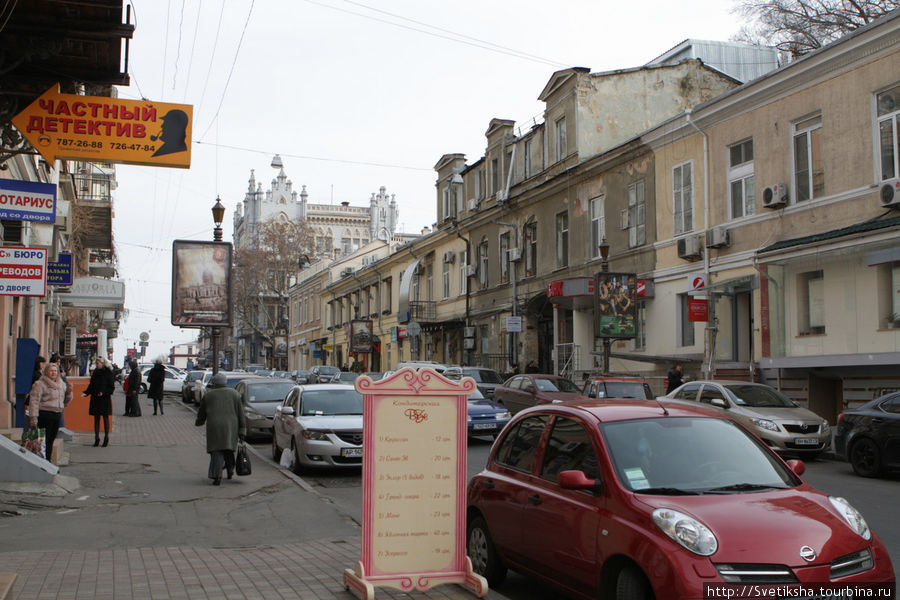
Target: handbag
(242,460)
(35,440)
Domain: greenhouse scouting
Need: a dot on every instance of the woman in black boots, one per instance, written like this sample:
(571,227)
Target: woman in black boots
(100,390)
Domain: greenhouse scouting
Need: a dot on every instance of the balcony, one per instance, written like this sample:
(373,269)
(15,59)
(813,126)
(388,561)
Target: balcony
(423,311)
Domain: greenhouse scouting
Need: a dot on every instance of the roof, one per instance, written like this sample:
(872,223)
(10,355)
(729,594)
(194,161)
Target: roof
(623,410)
(864,227)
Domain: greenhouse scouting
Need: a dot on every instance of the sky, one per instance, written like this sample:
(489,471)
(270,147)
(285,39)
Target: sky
(353,95)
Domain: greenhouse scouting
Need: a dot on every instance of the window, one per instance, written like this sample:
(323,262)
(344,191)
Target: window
(483,264)
(740,179)
(508,168)
(445,204)
(527,157)
(519,446)
(561,149)
(484,336)
(569,448)
(888,111)
(386,296)
(562,239)
(811,302)
(598,224)
(414,290)
(809,170)
(504,257)
(495,175)
(685,325)
(345,246)
(530,235)
(637,215)
(463,273)
(639,342)
(683,197)
(479,184)
(445,277)
(429,281)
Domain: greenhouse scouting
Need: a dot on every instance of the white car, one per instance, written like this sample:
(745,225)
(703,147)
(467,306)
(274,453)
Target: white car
(322,425)
(172,384)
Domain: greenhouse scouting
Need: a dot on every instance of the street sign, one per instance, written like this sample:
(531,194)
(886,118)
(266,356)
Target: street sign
(413,328)
(27,200)
(60,271)
(23,271)
(514,324)
(144,336)
(696,284)
(698,310)
(102,129)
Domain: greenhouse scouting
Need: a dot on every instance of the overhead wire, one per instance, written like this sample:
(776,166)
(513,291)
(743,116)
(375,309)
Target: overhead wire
(319,158)
(178,46)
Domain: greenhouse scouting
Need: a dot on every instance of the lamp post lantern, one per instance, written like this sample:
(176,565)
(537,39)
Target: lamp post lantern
(218,214)
(604,268)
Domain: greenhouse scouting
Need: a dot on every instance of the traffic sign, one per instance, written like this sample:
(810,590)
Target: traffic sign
(413,328)
(103,129)
(144,336)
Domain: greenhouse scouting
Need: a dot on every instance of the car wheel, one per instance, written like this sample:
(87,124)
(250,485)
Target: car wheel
(480,549)
(632,585)
(276,452)
(864,458)
(296,468)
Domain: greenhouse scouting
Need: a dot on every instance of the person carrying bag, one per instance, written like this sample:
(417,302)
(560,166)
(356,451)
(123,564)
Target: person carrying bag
(242,460)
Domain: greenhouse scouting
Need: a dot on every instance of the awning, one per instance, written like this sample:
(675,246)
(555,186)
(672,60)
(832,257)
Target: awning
(405,285)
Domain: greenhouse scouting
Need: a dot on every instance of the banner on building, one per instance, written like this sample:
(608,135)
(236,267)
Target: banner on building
(27,201)
(23,271)
(201,284)
(615,306)
(698,310)
(59,272)
(361,335)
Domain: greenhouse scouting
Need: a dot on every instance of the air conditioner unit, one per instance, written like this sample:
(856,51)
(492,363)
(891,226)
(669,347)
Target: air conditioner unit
(471,270)
(71,340)
(718,237)
(469,332)
(449,256)
(689,248)
(346,271)
(473,204)
(890,193)
(775,196)
(515,254)
(623,219)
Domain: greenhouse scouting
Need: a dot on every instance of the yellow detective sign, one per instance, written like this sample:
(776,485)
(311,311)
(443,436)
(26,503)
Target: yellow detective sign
(97,128)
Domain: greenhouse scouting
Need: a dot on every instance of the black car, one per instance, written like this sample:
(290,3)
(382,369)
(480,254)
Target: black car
(485,379)
(260,396)
(323,374)
(869,436)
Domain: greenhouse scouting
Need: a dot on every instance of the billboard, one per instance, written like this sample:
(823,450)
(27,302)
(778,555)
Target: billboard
(23,271)
(361,335)
(201,284)
(615,306)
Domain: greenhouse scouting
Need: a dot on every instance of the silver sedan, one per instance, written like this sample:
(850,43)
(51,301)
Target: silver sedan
(322,425)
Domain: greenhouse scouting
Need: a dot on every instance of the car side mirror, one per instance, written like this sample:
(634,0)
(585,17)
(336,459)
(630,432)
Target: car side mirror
(287,410)
(797,466)
(577,480)
(718,402)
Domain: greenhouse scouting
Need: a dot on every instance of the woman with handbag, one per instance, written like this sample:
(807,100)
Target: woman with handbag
(48,398)
(100,389)
(222,412)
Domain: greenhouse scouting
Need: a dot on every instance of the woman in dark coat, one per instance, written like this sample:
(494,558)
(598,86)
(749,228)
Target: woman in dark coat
(155,378)
(100,389)
(223,414)
(132,406)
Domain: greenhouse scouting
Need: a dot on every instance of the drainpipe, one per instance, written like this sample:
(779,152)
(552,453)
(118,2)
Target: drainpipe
(333,330)
(468,257)
(380,310)
(711,330)
(515,298)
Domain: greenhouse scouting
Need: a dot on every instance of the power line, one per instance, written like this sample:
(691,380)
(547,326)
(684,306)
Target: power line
(319,158)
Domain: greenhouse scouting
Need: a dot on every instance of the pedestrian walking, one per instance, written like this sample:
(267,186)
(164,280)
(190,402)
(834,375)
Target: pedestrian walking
(46,401)
(100,389)
(155,379)
(56,358)
(221,411)
(674,377)
(132,387)
(38,369)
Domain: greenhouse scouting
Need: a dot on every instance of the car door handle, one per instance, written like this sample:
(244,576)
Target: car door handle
(487,484)
(535,499)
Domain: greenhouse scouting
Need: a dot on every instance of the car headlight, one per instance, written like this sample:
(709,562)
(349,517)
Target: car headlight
(764,423)
(312,434)
(504,415)
(687,531)
(825,427)
(468,417)
(853,517)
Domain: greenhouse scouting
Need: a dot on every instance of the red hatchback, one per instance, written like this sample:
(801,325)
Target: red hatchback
(633,500)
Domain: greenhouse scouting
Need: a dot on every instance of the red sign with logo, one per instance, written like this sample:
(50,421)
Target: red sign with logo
(698,310)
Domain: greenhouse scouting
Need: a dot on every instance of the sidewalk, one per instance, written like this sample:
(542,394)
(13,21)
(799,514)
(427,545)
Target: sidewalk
(145,523)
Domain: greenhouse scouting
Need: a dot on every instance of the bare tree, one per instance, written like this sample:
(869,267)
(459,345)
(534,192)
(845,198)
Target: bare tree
(801,26)
(263,274)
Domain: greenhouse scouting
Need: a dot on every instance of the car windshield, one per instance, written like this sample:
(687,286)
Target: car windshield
(556,385)
(693,455)
(331,402)
(347,377)
(758,396)
(625,389)
(274,391)
(328,370)
(233,381)
(483,375)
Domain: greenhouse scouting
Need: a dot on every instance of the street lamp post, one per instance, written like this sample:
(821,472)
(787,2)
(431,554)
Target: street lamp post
(218,213)
(604,268)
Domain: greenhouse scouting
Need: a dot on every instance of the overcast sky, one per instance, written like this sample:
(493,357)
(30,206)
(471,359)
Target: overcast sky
(353,96)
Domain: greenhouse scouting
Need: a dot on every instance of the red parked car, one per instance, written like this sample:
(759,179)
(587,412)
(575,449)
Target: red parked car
(635,500)
(522,391)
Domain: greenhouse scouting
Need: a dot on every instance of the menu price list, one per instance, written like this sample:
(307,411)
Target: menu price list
(415,484)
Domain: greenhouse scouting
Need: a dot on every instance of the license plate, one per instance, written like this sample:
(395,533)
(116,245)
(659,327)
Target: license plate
(806,441)
(484,426)
(351,452)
